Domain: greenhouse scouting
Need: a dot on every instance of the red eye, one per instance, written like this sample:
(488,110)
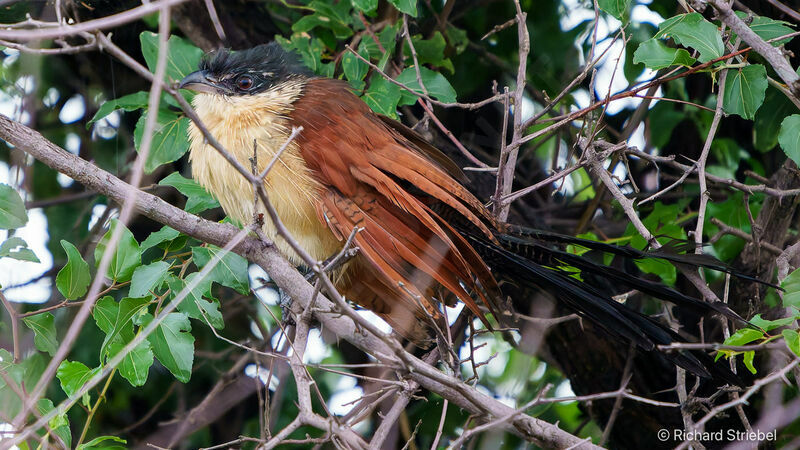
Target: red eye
(244,82)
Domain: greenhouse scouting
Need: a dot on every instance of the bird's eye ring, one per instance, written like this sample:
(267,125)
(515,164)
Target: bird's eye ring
(244,82)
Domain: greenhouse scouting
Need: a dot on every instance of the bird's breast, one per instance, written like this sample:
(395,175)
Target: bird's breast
(245,127)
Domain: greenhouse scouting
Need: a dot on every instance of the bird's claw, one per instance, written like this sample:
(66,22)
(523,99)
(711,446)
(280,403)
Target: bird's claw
(285,302)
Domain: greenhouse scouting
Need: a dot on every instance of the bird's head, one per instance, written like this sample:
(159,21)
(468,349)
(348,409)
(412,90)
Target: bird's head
(247,87)
(248,72)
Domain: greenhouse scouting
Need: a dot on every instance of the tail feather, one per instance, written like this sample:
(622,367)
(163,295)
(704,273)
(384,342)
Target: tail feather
(648,287)
(575,295)
(525,263)
(672,251)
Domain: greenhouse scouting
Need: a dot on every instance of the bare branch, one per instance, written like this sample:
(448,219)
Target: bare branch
(701,164)
(57,30)
(508,157)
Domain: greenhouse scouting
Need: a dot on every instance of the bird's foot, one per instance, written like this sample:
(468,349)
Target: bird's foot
(285,302)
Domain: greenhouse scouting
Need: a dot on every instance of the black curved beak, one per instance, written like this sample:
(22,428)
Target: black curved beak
(201,81)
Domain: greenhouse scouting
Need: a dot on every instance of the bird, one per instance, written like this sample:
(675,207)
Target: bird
(424,238)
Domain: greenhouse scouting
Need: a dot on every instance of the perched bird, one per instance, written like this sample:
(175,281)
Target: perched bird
(424,239)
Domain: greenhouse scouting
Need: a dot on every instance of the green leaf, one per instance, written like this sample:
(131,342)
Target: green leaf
(308,23)
(135,366)
(105,313)
(335,17)
(25,374)
(366,6)
(383,62)
(73,375)
(173,345)
(617,8)
(44,332)
(667,117)
(230,271)
(198,199)
(732,213)
(458,38)
(16,248)
(435,83)
(127,255)
(123,323)
(767,124)
(639,35)
(430,51)
(662,222)
(182,56)
(692,30)
(170,140)
(655,55)
(73,279)
(116,320)
(165,234)
(130,102)
(387,37)
(355,69)
(59,424)
(792,339)
(769,325)
(309,49)
(98,443)
(744,337)
(6,360)
(12,209)
(744,90)
(382,96)
(747,359)
(583,185)
(661,268)
(767,28)
(147,278)
(789,137)
(728,154)
(406,6)
(791,286)
(195,300)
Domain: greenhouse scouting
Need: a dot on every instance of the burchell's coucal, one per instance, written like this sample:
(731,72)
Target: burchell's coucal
(425,238)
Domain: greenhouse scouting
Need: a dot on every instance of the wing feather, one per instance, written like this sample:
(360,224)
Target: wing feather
(361,164)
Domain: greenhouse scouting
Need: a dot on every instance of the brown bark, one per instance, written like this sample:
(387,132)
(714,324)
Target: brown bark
(771,226)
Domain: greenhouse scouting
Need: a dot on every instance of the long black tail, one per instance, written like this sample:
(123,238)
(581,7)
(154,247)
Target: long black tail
(676,251)
(525,258)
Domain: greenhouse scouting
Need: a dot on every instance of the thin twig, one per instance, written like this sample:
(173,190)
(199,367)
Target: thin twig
(53,30)
(12,314)
(726,229)
(508,161)
(212,14)
(701,163)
